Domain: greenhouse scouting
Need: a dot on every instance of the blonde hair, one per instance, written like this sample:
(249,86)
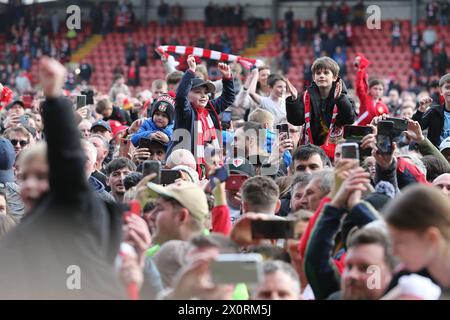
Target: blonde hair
(202,70)
(39,150)
(261,116)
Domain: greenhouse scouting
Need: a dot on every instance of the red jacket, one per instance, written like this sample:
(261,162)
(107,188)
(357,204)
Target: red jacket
(368,108)
(6,97)
(305,237)
(220,220)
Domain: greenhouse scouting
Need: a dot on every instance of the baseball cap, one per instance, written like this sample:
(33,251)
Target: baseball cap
(7,158)
(197,82)
(101,123)
(241,166)
(445,144)
(19,102)
(116,127)
(188,194)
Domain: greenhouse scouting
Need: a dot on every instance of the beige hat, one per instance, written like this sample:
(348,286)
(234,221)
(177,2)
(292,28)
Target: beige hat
(188,194)
(169,259)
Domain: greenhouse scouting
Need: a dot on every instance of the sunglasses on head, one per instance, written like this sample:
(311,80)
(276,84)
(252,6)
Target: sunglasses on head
(22,143)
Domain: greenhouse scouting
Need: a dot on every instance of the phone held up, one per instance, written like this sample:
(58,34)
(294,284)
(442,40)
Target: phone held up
(384,137)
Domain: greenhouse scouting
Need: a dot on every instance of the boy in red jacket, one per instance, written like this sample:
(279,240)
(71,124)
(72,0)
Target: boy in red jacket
(368,92)
(6,96)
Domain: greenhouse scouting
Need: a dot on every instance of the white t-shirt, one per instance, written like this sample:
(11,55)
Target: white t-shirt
(277,109)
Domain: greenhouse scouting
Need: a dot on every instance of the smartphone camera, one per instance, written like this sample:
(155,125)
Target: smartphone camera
(384,136)
(350,150)
(226,120)
(283,129)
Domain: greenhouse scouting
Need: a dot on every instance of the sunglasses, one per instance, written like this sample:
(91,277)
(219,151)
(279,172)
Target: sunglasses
(22,143)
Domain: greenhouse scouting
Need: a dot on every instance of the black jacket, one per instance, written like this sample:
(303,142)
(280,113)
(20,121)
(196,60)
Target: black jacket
(70,232)
(186,115)
(433,120)
(295,111)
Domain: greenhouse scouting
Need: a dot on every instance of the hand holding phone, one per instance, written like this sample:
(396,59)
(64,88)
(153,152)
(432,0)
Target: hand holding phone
(134,207)
(232,268)
(350,150)
(152,166)
(124,147)
(221,174)
(24,119)
(81,101)
(283,129)
(170,176)
(384,138)
(273,229)
(356,133)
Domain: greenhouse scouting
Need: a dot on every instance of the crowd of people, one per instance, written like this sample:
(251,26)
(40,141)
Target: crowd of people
(146,194)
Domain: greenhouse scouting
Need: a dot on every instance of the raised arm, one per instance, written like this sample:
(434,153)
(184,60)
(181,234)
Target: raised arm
(295,110)
(361,85)
(252,88)
(320,269)
(415,134)
(423,113)
(228,94)
(182,104)
(65,155)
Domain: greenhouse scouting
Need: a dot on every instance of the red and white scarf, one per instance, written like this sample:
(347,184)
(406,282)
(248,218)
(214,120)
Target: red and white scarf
(307,135)
(206,133)
(334,132)
(208,54)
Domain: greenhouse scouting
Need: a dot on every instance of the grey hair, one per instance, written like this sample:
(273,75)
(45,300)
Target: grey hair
(91,149)
(326,178)
(416,161)
(273,266)
(102,139)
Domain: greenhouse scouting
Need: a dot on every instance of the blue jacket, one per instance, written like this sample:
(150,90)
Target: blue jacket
(186,115)
(147,128)
(270,137)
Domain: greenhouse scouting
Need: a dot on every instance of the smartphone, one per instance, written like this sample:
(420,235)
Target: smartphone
(24,119)
(89,96)
(273,229)
(81,101)
(231,268)
(221,173)
(235,181)
(356,133)
(124,147)
(400,125)
(226,120)
(152,166)
(350,150)
(384,138)
(134,207)
(283,128)
(169,176)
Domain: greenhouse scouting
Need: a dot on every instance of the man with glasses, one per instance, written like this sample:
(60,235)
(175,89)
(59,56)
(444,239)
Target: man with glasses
(19,137)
